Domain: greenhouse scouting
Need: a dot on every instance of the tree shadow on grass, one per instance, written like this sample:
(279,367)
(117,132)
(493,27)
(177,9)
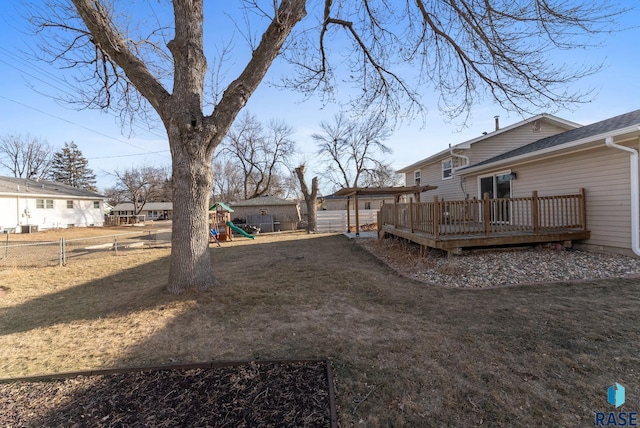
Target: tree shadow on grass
(133,289)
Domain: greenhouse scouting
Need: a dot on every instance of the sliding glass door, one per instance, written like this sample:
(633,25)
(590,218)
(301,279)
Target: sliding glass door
(498,186)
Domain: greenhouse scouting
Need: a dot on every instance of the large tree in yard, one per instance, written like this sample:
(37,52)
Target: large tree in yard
(463,49)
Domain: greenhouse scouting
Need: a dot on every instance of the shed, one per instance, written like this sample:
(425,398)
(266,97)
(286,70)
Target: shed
(269,213)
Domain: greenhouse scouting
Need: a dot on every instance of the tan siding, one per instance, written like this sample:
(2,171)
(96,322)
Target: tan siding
(602,172)
(431,174)
(447,189)
(510,140)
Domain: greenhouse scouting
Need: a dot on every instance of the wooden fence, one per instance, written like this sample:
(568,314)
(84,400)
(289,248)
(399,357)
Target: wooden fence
(535,214)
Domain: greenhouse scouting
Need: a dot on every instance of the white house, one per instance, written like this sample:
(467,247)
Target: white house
(31,205)
(150,210)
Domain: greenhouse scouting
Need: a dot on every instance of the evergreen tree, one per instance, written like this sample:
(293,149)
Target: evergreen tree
(71,168)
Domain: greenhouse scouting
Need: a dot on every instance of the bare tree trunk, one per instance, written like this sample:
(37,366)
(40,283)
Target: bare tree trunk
(190,266)
(193,137)
(309,198)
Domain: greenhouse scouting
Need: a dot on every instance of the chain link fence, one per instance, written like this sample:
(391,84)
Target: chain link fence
(64,251)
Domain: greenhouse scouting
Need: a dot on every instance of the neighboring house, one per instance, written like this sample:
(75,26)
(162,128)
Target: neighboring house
(595,157)
(150,211)
(31,205)
(267,212)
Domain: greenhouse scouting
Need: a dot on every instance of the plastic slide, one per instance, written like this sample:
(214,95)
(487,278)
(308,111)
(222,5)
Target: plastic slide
(240,231)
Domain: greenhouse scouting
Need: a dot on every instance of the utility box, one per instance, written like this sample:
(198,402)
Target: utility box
(29,228)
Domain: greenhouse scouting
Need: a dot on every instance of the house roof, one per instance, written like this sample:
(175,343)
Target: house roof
(12,186)
(149,206)
(582,135)
(262,201)
(557,121)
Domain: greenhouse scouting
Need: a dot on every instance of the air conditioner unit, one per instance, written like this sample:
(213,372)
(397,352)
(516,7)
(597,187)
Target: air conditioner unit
(29,228)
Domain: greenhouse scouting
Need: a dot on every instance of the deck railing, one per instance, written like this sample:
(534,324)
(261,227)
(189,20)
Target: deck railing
(535,214)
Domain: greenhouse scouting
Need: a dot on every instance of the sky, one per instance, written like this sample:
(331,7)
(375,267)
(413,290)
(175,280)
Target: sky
(26,105)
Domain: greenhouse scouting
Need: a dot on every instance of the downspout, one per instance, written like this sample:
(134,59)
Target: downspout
(466,158)
(456,168)
(635,197)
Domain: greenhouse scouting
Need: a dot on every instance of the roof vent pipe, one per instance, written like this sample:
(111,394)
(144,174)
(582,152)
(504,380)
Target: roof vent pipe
(497,118)
(635,197)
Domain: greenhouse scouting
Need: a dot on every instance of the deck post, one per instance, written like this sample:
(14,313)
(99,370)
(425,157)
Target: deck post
(395,213)
(436,217)
(486,213)
(411,215)
(348,215)
(583,209)
(355,198)
(535,214)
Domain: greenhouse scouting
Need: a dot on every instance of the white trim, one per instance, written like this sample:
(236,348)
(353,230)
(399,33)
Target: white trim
(561,123)
(417,172)
(450,169)
(595,139)
(495,174)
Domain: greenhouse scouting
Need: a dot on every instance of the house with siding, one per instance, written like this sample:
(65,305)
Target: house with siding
(31,205)
(600,158)
(269,213)
(150,211)
(440,169)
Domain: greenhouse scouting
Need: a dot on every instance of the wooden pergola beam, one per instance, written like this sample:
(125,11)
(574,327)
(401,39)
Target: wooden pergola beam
(396,192)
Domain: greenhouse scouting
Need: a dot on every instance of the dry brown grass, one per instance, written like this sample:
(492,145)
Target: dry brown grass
(404,354)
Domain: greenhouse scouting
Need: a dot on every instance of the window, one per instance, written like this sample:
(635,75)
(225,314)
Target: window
(416,177)
(44,203)
(447,169)
(70,204)
(96,204)
(367,205)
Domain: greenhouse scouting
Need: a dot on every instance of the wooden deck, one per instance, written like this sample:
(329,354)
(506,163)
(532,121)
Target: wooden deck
(457,225)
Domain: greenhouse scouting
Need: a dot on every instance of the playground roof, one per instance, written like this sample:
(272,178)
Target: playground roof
(225,207)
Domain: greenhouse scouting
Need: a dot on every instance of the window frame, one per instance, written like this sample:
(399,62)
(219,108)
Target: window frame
(44,204)
(417,177)
(449,160)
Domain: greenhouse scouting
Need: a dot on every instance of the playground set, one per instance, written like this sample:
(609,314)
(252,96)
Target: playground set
(220,226)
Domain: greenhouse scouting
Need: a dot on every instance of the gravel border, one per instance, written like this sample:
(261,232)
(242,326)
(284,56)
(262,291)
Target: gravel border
(496,268)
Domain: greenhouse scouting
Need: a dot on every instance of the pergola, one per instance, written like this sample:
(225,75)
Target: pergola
(396,192)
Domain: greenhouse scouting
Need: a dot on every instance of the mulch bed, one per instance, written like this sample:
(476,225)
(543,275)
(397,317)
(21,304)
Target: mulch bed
(264,394)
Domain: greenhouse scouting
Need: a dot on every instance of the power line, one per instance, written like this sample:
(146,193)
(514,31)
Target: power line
(125,156)
(81,126)
(48,75)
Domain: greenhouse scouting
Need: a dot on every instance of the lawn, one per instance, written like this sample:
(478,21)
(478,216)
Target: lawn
(404,353)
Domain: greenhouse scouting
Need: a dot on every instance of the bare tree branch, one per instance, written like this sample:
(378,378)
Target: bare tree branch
(25,156)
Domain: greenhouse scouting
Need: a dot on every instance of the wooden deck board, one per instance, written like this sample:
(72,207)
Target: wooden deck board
(456,243)
(455,225)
